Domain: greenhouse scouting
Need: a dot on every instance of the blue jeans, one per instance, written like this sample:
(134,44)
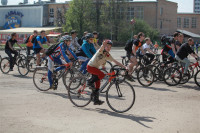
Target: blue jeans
(84,66)
(185,61)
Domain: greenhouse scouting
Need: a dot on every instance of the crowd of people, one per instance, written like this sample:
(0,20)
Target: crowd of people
(92,56)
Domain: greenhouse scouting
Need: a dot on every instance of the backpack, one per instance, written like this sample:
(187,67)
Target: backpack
(51,49)
(129,45)
(27,40)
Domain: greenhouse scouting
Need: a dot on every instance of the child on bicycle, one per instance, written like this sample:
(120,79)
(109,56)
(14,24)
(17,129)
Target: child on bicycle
(99,59)
(55,57)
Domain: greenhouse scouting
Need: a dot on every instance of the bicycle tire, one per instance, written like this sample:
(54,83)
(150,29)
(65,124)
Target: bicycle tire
(174,74)
(75,95)
(120,98)
(31,62)
(145,76)
(41,75)
(22,67)
(5,65)
(196,78)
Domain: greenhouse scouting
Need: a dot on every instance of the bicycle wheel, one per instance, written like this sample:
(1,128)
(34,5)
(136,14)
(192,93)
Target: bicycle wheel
(22,67)
(120,96)
(197,78)
(145,76)
(185,78)
(40,79)
(31,63)
(172,76)
(5,65)
(156,72)
(21,56)
(69,75)
(80,96)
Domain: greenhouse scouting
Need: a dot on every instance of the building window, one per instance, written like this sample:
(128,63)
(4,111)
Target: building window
(186,23)
(51,12)
(140,13)
(121,13)
(161,11)
(194,22)
(179,22)
(130,13)
(161,24)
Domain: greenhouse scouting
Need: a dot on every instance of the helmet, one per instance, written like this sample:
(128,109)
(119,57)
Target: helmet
(89,35)
(109,42)
(65,38)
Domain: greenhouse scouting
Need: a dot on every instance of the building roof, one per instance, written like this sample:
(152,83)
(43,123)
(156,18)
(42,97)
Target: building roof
(189,33)
(28,30)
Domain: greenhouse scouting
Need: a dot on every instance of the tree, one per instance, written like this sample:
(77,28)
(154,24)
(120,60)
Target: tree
(80,16)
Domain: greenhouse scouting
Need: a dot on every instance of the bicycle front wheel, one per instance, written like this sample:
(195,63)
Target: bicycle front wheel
(31,63)
(172,76)
(120,96)
(40,79)
(197,78)
(22,67)
(145,76)
(80,94)
(5,65)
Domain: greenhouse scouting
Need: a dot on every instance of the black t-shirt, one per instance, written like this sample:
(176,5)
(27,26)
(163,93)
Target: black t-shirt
(184,51)
(12,42)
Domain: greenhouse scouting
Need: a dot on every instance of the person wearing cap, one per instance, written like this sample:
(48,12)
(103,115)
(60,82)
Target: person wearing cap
(99,59)
(96,40)
(29,44)
(55,57)
(74,43)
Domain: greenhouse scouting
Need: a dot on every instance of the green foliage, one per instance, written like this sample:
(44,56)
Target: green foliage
(108,18)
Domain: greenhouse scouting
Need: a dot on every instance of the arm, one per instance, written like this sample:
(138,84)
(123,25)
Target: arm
(19,46)
(74,55)
(76,43)
(141,48)
(63,54)
(150,51)
(10,46)
(119,64)
(133,49)
(86,51)
(40,44)
(173,48)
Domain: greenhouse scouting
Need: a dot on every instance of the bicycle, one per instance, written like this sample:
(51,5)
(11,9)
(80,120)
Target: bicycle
(40,76)
(5,62)
(117,93)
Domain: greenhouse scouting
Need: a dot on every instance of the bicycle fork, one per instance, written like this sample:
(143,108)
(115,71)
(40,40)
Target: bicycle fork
(118,90)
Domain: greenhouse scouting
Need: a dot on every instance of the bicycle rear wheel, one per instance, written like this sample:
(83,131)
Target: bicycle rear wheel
(40,79)
(5,65)
(31,63)
(79,94)
(120,96)
(172,76)
(197,78)
(145,76)
(22,67)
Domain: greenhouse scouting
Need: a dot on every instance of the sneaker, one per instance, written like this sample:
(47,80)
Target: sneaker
(130,78)
(98,102)
(53,87)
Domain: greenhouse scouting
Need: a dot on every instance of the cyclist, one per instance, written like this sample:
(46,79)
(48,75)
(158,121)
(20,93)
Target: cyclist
(9,50)
(167,51)
(38,47)
(156,47)
(55,57)
(183,53)
(179,42)
(137,44)
(172,42)
(29,44)
(150,54)
(86,52)
(99,59)
(74,43)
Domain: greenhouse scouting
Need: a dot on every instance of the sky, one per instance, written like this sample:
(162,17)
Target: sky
(183,5)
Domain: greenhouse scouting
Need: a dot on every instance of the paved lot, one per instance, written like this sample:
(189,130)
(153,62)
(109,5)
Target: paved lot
(157,109)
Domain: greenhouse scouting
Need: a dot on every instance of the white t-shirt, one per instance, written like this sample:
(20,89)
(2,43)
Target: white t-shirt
(145,47)
(99,59)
